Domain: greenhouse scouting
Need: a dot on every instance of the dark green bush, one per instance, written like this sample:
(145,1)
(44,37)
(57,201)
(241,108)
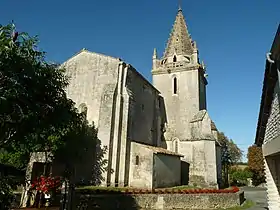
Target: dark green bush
(240,177)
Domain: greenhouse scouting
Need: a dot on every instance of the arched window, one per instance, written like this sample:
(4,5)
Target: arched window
(137,160)
(174,85)
(175,144)
(174,58)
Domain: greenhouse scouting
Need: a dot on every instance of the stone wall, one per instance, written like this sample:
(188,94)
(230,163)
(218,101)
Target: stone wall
(273,123)
(151,169)
(141,166)
(93,84)
(90,74)
(180,107)
(144,112)
(158,201)
(167,171)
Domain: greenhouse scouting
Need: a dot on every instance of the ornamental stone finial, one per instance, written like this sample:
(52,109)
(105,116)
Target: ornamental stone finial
(155,54)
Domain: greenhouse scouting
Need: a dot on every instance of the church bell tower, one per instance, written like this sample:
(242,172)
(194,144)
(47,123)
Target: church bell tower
(181,79)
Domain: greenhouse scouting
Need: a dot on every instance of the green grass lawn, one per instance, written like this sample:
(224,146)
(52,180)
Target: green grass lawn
(246,205)
(102,188)
(118,189)
(124,188)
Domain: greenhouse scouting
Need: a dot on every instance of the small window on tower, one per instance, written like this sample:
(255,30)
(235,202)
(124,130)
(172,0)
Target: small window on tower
(175,85)
(137,160)
(174,58)
(176,146)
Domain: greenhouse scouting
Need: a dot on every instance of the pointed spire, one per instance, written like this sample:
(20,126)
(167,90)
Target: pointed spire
(155,54)
(179,39)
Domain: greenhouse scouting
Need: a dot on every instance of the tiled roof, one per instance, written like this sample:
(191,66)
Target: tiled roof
(162,150)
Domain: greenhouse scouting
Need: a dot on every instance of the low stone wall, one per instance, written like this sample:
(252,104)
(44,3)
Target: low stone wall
(157,201)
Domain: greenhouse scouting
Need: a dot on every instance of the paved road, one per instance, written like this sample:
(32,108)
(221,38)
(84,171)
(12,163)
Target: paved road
(257,195)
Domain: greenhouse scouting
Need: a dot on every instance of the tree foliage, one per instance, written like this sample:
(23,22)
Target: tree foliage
(35,113)
(34,108)
(256,164)
(239,176)
(230,153)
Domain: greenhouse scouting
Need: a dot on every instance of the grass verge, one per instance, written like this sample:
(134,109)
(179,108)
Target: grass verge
(247,204)
(124,188)
(116,189)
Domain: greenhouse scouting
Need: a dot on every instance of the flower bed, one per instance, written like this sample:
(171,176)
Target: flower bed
(156,191)
(43,191)
(181,191)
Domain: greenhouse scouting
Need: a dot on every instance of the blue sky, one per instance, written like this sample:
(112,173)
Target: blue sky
(232,36)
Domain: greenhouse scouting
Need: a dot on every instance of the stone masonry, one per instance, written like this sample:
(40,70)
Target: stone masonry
(273,123)
(181,79)
(149,129)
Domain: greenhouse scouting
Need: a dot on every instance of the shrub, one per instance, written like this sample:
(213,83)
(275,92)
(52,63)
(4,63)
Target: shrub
(256,164)
(240,177)
(6,193)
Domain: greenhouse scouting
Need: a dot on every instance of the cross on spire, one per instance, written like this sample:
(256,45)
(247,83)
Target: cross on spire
(179,5)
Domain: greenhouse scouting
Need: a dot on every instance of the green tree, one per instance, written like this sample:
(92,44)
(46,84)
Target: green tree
(230,153)
(35,114)
(34,110)
(256,164)
(239,176)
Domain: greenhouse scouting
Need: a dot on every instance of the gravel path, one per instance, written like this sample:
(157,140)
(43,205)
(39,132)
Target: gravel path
(257,195)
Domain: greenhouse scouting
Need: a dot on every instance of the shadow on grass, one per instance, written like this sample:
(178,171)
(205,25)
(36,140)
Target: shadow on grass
(85,199)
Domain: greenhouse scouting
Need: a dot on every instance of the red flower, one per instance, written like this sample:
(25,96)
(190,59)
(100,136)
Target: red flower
(235,189)
(46,184)
(198,190)
(147,191)
(186,191)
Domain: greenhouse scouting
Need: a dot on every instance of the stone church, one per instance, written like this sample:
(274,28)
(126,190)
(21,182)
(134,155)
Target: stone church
(159,134)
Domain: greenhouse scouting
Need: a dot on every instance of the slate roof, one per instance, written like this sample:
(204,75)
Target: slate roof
(269,82)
